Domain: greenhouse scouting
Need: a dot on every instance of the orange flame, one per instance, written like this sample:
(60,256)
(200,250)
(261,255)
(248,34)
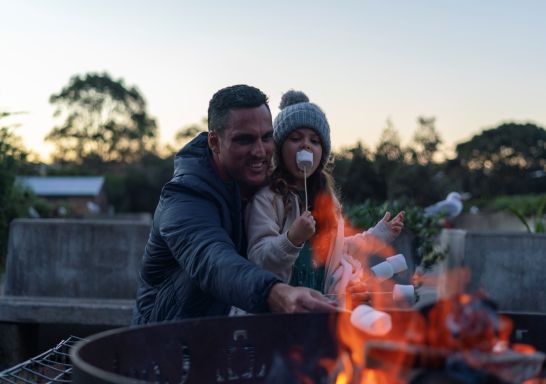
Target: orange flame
(455,323)
(523,348)
(375,376)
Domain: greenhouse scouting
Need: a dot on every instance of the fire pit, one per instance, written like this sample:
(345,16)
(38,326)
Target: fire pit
(298,348)
(247,349)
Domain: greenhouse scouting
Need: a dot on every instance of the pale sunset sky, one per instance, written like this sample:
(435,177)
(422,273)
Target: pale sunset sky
(471,64)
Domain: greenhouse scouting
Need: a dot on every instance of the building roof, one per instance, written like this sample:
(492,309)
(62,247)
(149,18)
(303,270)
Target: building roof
(63,185)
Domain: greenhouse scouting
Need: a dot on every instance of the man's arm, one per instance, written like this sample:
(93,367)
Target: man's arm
(192,226)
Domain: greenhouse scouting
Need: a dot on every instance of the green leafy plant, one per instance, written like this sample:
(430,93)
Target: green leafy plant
(425,230)
(538,225)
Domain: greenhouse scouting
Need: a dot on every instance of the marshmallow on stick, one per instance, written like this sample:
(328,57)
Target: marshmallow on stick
(398,263)
(382,271)
(304,160)
(370,320)
(404,293)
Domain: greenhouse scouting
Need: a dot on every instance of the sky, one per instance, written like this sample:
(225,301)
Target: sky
(470,64)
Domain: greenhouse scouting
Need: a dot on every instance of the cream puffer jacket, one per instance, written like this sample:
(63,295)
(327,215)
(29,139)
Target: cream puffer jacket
(267,225)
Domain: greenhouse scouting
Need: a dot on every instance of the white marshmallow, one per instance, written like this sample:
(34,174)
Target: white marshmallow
(370,320)
(304,159)
(382,271)
(398,263)
(404,293)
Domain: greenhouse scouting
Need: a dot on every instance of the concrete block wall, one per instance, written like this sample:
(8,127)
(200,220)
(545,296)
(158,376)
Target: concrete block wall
(74,258)
(509,266)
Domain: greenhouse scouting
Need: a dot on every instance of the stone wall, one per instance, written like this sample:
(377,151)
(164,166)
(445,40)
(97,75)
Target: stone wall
(74,258)
(509,266)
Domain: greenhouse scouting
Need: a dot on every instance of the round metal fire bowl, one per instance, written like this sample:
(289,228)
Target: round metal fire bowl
(245,349)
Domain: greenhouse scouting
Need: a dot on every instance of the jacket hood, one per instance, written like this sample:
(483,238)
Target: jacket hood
(195,160)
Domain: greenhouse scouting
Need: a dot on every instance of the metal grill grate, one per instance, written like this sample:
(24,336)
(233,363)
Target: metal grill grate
(52,366)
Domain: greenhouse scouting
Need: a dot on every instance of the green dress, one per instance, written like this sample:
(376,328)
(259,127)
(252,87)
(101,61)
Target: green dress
(305,273)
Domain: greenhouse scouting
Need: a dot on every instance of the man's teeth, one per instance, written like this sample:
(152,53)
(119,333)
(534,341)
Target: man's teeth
(257,165)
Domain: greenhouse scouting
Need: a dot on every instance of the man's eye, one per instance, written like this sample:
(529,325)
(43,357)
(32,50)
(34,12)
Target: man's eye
(243,140)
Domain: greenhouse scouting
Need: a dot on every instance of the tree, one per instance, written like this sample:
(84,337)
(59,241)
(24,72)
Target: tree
(103,119)
(410,173)
(389,157)
(426,140)
(190,131)
(355,175)
(14,201)
(389,148)
(503,160)
(137,189)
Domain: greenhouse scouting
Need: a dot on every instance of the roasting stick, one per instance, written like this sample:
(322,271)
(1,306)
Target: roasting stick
(305,187)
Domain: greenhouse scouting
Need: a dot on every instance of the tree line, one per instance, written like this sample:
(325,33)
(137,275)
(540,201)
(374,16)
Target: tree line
(105,128)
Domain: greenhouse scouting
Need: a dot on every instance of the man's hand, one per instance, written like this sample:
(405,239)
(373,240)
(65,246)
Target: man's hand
(284,298)
(302,229)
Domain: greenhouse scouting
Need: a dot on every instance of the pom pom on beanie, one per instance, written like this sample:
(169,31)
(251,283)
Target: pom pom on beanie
(297,112)
(293,97)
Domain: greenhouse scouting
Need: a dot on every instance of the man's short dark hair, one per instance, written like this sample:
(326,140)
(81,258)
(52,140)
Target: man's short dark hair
(236,96)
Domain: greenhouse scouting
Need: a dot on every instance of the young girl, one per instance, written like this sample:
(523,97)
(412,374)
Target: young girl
(305,247)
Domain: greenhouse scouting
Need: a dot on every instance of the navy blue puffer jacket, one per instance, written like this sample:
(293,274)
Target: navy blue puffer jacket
(193,264)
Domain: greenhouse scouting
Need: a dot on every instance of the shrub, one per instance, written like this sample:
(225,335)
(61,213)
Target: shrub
(424,229)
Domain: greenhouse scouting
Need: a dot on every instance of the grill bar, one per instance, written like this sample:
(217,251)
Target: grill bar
(52,366)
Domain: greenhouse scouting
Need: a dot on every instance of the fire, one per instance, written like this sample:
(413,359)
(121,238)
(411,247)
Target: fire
(347,370)
(326,214)
(523,348)
(374,376)
(464,326)
(460,325)
(467,322)
(342,378)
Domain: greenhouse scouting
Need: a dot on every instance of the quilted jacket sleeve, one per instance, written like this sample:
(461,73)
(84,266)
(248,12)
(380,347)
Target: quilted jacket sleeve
(193,227)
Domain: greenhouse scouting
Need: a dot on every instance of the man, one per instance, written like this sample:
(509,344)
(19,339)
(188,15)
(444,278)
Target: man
(193,263)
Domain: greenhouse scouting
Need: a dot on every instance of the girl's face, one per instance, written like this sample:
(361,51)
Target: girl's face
(301,138)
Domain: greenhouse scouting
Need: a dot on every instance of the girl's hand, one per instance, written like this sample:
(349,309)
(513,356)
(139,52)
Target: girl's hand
(302,229)
(387,229)
(396,225)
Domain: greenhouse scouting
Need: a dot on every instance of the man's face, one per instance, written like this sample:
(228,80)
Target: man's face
(243,151)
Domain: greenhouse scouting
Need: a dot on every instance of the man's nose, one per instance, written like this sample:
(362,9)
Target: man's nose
(258,149)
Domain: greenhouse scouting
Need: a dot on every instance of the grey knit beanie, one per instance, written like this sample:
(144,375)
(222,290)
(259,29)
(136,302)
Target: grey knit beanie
(298,112)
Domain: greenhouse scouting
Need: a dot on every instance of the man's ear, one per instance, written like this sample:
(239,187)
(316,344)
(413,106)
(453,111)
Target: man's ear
(214,142)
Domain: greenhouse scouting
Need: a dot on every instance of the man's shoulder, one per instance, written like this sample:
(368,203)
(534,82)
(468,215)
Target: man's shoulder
(191,183)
